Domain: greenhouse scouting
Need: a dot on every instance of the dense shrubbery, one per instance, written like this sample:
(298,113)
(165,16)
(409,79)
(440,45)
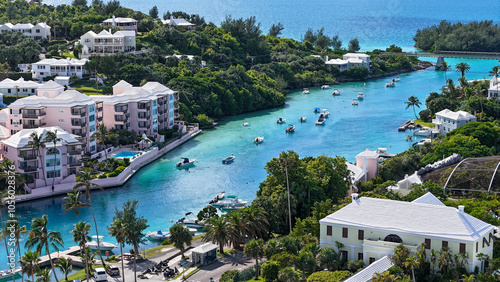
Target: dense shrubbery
(481,36)
(17,48)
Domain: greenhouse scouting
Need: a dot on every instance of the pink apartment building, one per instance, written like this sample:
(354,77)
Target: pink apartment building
(368,161)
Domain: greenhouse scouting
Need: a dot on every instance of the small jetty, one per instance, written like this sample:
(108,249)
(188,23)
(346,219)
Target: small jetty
(409,124)
(71,253)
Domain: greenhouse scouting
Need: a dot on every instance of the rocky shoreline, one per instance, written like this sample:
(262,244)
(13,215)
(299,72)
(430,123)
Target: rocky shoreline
(422,65)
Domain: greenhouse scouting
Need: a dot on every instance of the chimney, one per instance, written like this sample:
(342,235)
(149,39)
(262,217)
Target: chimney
(461,209)
(114,22)
(354,196)
(326,59)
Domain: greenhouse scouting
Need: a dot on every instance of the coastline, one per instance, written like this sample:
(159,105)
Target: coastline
(122,178)
(422,65)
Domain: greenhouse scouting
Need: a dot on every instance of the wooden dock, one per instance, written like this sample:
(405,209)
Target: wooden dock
(70,253)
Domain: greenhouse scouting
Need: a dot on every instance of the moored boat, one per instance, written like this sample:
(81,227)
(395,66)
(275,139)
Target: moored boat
(229,208)
(390,84)
(218,197)
(306,91)
(158,235)
(326,86)
(232,201)
(302,119)
(8,273)
(396,79)
(317,110)
(325,113)
(258,139)
(185,162)
(245,124)
(290,128)
(361,96)
(103,246)
(190,222)
(354,102)
(336,92)
(228,160)
(281,120)
(320,121)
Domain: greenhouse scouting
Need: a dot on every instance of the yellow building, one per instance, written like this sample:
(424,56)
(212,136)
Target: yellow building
(370,228)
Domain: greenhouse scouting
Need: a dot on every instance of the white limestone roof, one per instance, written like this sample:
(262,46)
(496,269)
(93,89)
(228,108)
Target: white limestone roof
(4,114)
(23,26)
(355,61)
(179,22)
(359,55)
(43,25)
(189,57)
(356,172)
(121,20)
(4,132)
(22,138)
(154,87)
(21,83)
(52,85)
(337,62)
(366,274)
(62,62)
(368,154)
(416,219)
(9,25)
(414,178)
(126,32)
(122,83)
(67,98)
(428,199)
(132,94)
(458,115)
(207,247)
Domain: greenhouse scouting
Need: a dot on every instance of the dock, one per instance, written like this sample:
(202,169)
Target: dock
(70,253)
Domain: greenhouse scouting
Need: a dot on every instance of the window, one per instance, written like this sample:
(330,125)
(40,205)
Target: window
(444,244)
(37,31)
(53,174)
(428,244)
(372,260)
(61,111)
(91,118)
(345,232)
(61,120)
(360,256)
(33,90)
(361,234)
(92,128)
(328,231)
(462,248)
(9,90)
(344,255)
(91,108)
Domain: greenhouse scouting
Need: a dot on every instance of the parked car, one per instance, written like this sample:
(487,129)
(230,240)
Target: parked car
(112,270)
(100,274)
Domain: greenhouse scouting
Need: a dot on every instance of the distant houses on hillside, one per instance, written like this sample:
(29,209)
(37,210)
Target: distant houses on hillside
(350,60)
(121,23)
(107,43)
(38,31)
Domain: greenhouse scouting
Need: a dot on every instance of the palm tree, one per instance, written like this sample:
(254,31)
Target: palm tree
(36,143)
(43,275)
(42,238)
(73,202)
(29,264)
(444,259)
(462,68)
(218,232)
(88,260)
(18,230)
(254,249)
(65,265)
(444,67)
(51,137)
(236,230)
(7,171)
(467,278)
(100,136)
(81,237)
(256,223)
(3,195)
(328,259)
(83,178)
(411,262)
(180,236)
(289,274)
(118,230)
(412,102)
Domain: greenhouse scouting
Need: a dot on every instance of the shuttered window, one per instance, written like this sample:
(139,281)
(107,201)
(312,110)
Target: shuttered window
(361,234)
(445,244)
(328,231)
(462,248)
(345,232)
(428,244)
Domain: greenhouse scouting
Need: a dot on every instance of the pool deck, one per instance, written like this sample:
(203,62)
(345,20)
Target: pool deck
(122,178)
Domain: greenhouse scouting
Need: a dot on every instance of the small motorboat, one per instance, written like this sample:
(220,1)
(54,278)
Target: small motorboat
(158,235)
(361,96)
(320,121)
(218,197)
(423,132)
(229,208)
(186,162)
(258,140)
(336,92)
(290,128)
(190,222)
(8,273)
(302,119)
(326,86)
(281,120)
(325,113)
(390,84)
(306,91)
(395,79)
(245,124)
(317,110)
(103,246)
(322,115)
(228,160)
(233,201)
(354,102)
(192,231)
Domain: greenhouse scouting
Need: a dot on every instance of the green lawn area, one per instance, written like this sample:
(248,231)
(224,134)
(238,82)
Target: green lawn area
(90,87)
(79,274)
(428,124)
(68,53)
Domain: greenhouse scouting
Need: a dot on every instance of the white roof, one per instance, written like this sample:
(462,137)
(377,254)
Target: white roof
(458,115)
(67,98)
(153,86)
(359,55)
(22,138)
(122,83)
(337,62)
(368,154)
(189,57)
(51,85)
(355,61)
(179,22)
(205,248)
(356,172)
(366,274)
(23,26)
(428,199)
(9,25)
(134,94)
(106,34)
(415,219)
(121,20)
(4,132)
(20,83)
(62,62)
(414,178)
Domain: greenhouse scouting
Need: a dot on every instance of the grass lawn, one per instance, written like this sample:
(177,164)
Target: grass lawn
(89,87)
(67,53)
(79,274)
(428,124)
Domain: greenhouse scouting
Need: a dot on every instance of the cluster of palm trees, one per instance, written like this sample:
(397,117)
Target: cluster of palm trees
(37,143)
(461,68)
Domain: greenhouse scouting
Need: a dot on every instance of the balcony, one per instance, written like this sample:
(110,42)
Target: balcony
(98,109)
(122,109)
(79,111)
(99,119)
(28,168)
(33,115)
(33,125)
(75,163)
(144,117)
(27,157)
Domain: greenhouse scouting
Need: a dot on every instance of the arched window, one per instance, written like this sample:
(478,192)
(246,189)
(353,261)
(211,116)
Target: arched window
(393,238)
(52,151)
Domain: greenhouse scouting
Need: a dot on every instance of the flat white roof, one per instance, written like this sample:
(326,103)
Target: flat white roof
(205,248)
(62,62)
(410,218)
(121,20)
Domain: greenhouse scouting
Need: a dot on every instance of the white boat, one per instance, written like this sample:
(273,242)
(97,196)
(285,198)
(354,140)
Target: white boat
(290,128)
(302,119)
(218,197)
(320,121)
(258,140)
(361,96)
(232,202)
(103,246)
(8,273)
(192,231)
(325,86)
(229,208)
(281,120)
(354,102)
(423,132)
(326,113)
(185,162)
(396,79)
(245,124)
(390,84)
(158,235)
(306,91)
(336,92)
(190,222)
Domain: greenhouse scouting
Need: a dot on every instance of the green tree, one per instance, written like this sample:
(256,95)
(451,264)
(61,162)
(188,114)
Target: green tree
(218,232)
(65,265)
(81,237)
(73,202)
(335,276)
(43,275)
(256,224)
(17,230)
(254,249)
(289,274)
(207,213)
(276,29)
(119,231)
(51,137)
(100,135)
(41,238)
(412,263)
(462,68)
(29,264)
(76,3)
(401,253)
(204,120)
(36,143)
(412,102)
(444,67)
(270,270)
(154,12)
(180,237)
(354,45)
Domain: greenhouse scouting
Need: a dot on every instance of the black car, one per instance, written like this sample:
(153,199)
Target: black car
(112,270)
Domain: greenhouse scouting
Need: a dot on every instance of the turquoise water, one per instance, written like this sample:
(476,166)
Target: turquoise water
(123,155)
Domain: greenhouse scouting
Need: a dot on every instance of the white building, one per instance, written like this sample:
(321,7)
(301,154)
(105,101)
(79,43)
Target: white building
(60,67)
(178,23)
(494,90)
(107,43)
(405,185)
(37,32)
(350,60)
(18,87)
(370,228)
(447,120)
(121,23)
(368,161)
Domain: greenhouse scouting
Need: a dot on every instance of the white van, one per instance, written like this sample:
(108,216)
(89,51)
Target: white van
(100,274)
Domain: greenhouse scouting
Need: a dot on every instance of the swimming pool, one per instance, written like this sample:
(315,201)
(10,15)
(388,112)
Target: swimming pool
(123,155)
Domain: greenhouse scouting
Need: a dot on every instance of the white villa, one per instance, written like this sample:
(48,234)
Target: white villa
(350,60)
(178,22)
(447,120)
(494,90)
(405,185)
(370,228)
(37,32)
(60,67)
(18,87)
(107,43)
(121,23)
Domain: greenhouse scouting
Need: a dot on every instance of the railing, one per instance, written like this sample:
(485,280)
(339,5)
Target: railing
(27,157)
(33,115)
(28,126)
(28,168)
(99,109)
(76,163)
